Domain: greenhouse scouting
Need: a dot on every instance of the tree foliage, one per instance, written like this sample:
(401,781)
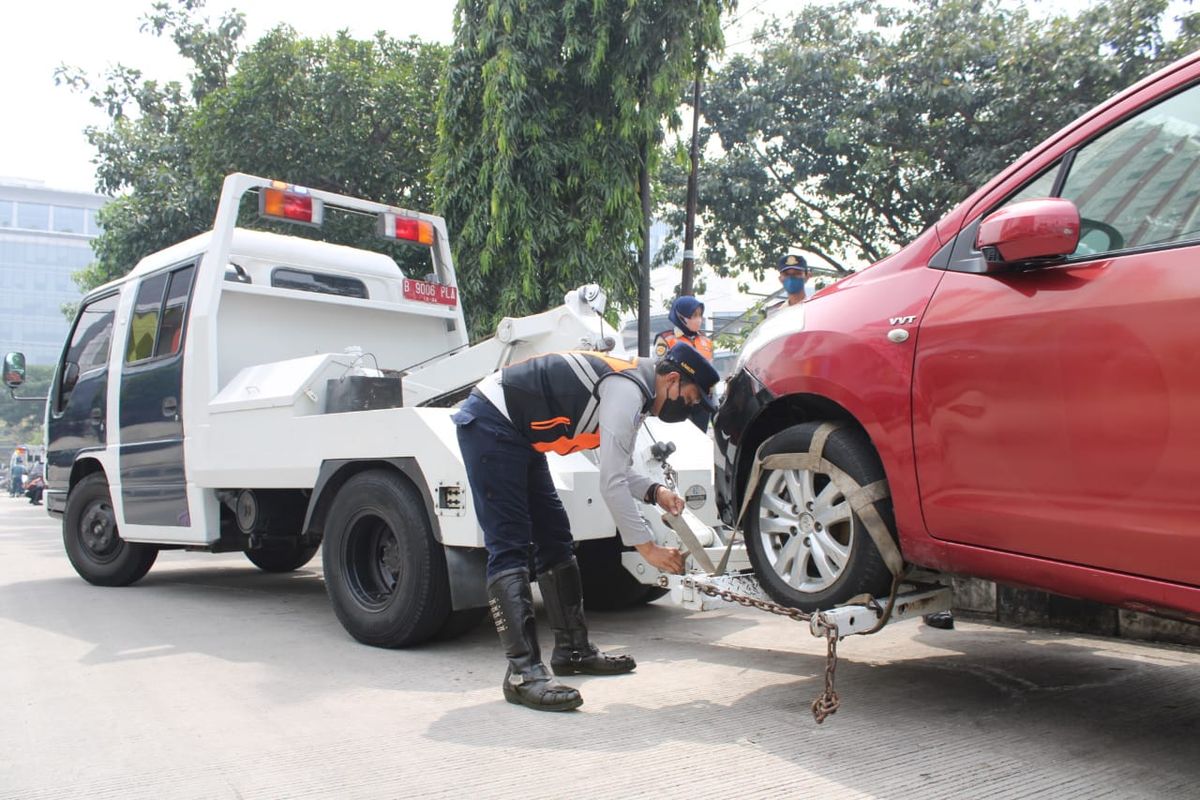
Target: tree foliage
(853,127)
(335,113)
(546,109)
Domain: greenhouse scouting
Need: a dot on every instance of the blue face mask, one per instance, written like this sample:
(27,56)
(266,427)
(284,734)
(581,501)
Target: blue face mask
(793,285)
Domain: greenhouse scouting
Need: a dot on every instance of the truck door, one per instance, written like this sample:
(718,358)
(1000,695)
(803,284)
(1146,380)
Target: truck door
(1057,411)
(153,478)
(78,398)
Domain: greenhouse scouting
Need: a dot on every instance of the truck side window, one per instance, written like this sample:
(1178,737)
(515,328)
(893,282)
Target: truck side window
(172,317)
(284,278)
(144,327)
(1138,185)
(89,347)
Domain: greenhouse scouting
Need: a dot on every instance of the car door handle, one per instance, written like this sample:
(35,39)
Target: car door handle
(170,406)
(97,416)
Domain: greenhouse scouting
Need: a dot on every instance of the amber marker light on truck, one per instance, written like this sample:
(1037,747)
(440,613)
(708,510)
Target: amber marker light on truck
(406,229)
(291,203)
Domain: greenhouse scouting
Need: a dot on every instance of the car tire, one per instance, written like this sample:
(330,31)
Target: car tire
(814,553)
(384,572)
(286,556)
(607,585)
(92,540)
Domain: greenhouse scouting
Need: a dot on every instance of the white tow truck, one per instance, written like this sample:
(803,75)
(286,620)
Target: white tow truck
(252,391)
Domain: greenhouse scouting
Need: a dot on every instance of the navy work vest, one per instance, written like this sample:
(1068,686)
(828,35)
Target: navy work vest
(553,399)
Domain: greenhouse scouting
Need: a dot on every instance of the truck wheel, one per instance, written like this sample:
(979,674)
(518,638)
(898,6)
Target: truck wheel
(93,545)
(385,574)
(607,585)
(461,622)
(282,557)
(808,548)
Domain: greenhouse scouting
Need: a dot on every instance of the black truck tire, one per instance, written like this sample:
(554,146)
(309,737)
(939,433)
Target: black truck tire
(282,556)
(607,585)
(92,541)
(384,572)
(461,622)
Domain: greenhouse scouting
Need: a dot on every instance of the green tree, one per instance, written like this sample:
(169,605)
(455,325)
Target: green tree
(855,126)
(546,111)
(335,113)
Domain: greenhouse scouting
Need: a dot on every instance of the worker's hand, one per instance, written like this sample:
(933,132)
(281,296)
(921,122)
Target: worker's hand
(666,559)
(668,501)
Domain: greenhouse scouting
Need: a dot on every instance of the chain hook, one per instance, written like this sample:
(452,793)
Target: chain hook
(826,704)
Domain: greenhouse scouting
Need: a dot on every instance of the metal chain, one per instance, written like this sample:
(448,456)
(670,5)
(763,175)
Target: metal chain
(825,704)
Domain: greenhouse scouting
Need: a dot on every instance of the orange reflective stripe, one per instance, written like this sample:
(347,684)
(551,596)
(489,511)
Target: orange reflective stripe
(547,424)
(564,446)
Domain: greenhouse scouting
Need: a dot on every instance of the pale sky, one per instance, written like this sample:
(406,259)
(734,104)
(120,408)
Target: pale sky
(42,134)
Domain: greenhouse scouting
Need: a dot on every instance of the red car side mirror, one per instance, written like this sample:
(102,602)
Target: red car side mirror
(1029,232)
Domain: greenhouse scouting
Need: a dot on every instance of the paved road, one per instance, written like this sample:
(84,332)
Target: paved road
(209,679)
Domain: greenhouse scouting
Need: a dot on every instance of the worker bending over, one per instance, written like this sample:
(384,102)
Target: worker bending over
(562,403)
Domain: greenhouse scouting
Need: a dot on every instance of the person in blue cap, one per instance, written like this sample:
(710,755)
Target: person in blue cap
(563,403)
(793,274)
(687,316)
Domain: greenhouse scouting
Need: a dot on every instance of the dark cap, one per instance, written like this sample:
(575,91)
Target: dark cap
(695,368)
(792,262)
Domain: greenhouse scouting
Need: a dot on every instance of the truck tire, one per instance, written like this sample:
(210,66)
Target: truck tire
(384,572)
(282,557)
(811,551)
(607,585)
(93,544)
(461,622)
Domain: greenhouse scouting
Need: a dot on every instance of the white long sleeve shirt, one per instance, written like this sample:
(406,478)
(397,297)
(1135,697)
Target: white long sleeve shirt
(622,409)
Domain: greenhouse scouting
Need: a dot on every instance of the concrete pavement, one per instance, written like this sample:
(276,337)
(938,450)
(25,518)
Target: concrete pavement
(211,679)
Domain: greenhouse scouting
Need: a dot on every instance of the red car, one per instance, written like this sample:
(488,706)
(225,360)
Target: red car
(1025,376)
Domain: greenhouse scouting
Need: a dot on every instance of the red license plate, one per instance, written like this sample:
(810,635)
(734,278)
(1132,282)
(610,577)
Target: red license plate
(431,292)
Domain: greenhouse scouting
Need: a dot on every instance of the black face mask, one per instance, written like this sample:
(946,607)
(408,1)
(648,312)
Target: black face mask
(674,409)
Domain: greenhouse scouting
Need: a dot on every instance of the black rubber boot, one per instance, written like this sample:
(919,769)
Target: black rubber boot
(527,681)
(562,590)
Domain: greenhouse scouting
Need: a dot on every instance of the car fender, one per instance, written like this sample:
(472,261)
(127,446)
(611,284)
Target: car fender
(849,355)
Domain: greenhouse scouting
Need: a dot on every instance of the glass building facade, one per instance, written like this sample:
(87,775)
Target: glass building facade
(45,236)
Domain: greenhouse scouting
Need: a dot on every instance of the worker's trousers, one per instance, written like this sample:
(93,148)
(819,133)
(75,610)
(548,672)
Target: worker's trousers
(514,496)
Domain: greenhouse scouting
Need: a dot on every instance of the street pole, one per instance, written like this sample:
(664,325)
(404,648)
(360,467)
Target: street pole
(689,236)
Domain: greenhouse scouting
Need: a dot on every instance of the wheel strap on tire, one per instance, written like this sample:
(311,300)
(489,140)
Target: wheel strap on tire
(862,499)
(815,446)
